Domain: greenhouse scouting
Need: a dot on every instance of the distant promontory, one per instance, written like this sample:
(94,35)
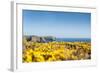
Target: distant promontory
(34,38)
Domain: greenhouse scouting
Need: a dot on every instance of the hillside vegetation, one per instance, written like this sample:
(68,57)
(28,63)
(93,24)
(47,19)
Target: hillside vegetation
(55,51)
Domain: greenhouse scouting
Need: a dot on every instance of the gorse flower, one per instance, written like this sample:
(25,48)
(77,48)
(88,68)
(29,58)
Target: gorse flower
(55,51)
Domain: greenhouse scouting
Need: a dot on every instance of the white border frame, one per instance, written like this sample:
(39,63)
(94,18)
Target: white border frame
(16,61)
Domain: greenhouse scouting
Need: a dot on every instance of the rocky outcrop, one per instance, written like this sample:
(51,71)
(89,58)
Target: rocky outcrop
(44,39)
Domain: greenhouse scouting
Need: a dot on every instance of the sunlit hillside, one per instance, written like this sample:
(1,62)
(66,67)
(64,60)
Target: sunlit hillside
(55,51)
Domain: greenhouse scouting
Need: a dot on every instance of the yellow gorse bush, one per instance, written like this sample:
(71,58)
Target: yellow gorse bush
(55,51)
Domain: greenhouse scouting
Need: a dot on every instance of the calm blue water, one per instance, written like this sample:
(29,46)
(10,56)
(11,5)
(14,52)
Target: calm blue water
(73,39)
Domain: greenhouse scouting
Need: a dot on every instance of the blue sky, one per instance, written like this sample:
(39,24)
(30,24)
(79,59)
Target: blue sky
(58,24)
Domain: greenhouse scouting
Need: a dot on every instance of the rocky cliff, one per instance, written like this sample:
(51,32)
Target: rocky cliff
(44,39)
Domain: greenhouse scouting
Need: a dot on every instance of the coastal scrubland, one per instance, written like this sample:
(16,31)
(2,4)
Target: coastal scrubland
(55,51)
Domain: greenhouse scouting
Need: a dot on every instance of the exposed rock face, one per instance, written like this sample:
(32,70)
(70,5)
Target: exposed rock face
(40,39)
(35,39)
(49,38)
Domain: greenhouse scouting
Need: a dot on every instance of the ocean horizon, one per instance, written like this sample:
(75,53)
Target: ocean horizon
(73,39)
(60,39)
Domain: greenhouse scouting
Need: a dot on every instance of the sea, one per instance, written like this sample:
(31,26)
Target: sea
(73,39)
